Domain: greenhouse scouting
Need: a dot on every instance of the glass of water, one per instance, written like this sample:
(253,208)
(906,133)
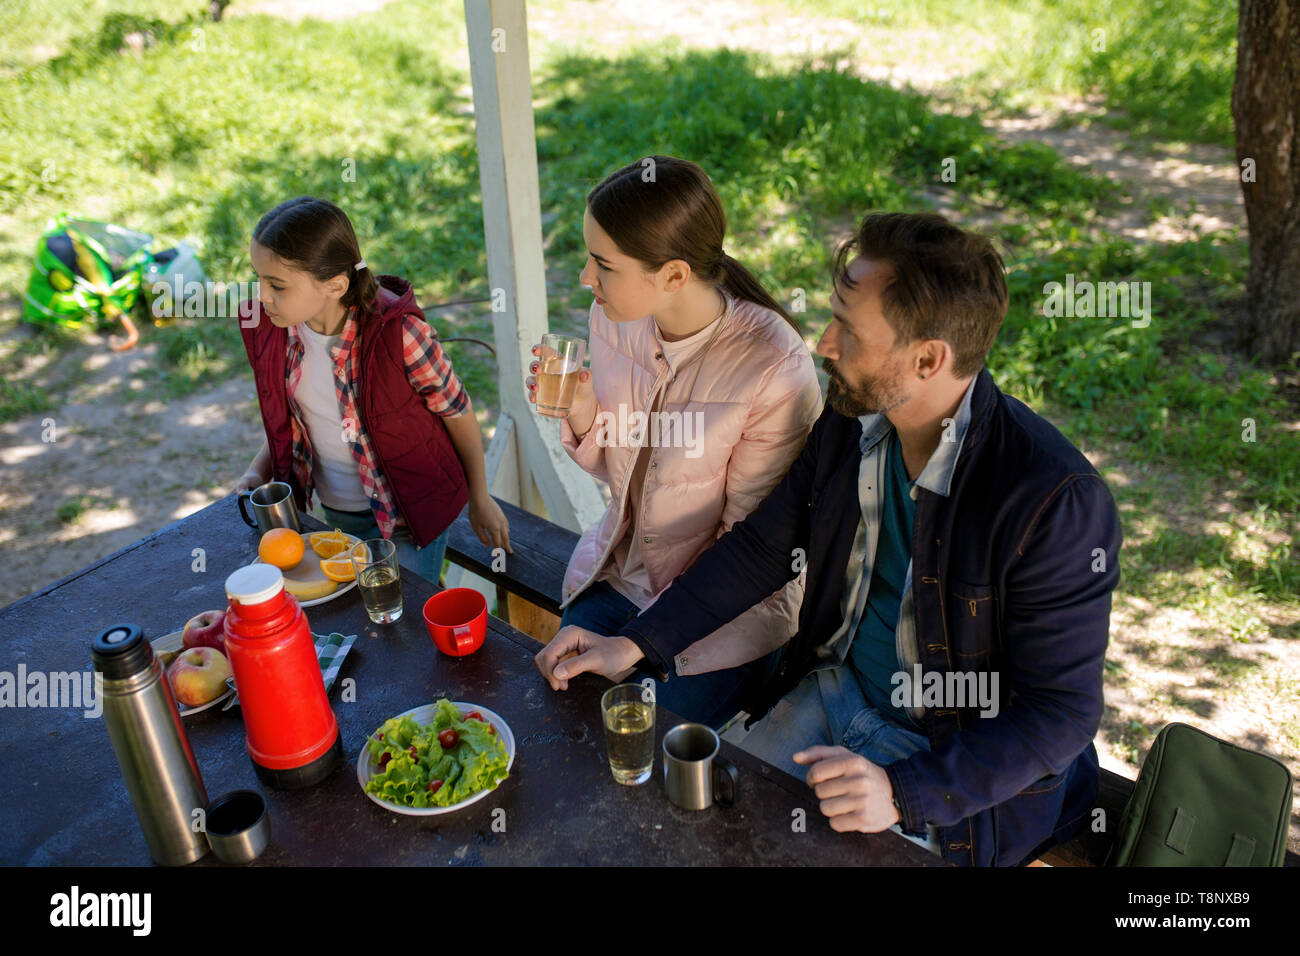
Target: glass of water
(379,580)
(629,715)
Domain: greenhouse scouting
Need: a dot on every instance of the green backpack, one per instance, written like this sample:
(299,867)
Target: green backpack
(85,273)
(1200,801)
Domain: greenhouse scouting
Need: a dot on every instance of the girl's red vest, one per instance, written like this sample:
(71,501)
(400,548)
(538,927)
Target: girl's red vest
(411,444)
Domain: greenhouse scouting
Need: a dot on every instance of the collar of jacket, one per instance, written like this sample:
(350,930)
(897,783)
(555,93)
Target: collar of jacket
(937,474)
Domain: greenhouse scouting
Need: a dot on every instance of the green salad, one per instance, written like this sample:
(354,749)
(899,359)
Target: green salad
(438,764)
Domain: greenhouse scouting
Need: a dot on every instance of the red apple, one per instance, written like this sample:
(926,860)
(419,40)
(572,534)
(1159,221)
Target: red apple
(198,675)
(206,630)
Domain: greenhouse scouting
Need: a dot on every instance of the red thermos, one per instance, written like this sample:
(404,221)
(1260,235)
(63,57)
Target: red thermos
(292,735)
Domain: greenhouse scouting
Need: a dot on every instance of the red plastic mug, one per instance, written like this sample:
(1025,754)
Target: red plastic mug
(456,620)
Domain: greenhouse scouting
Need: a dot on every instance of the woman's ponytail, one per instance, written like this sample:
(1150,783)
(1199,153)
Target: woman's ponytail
(662,208)
(743,284)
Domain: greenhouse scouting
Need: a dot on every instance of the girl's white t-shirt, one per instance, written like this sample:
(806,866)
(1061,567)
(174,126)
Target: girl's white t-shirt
(333,469)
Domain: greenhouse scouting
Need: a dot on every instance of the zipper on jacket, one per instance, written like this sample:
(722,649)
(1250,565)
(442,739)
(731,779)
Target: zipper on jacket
(622,503)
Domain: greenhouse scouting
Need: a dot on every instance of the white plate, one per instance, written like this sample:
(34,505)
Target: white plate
(172,642)
(308,569)
(367,768)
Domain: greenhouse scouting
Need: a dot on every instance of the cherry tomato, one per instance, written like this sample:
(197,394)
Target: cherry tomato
(383,760)
(415,754)
(381,736)
(448,738)
(473,715)
(492,730)
(434,786)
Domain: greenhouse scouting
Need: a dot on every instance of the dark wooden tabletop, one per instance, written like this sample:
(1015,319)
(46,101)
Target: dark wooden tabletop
(63,801)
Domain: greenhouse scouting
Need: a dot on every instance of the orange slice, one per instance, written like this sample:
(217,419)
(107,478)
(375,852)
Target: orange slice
(360,551)
(327,544)
(339,569)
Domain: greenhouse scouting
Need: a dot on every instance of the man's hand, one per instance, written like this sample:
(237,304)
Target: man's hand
(854,792)
(576,651)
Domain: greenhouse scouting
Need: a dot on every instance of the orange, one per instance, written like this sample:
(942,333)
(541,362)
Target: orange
(339,569)
(360,551)
(282,547)
(326,544)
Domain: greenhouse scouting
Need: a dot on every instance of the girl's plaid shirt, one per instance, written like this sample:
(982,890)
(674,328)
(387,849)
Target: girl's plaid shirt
(427,370)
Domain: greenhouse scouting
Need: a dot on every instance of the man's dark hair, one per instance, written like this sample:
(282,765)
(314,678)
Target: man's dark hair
(946,283)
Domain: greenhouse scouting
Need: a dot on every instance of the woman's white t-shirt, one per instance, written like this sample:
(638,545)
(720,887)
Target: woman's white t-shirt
(333,469)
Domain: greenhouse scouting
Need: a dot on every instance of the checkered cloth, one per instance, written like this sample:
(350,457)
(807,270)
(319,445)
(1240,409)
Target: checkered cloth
(330,651)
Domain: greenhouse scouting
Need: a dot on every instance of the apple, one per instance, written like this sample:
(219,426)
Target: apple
(198,675)
(205,630)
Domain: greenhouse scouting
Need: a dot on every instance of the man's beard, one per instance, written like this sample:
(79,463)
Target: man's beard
(879,394)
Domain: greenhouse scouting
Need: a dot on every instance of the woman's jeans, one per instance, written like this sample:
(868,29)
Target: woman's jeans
(712,698)
(426,561)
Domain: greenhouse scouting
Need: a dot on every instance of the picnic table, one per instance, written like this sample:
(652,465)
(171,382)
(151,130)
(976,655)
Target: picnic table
(64,802)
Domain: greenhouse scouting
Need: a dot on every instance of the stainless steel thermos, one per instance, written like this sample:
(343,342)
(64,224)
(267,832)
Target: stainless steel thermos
(152,748)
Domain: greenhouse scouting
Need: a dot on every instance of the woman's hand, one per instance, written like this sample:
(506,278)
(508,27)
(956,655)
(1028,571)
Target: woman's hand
(489,522)
(582,413)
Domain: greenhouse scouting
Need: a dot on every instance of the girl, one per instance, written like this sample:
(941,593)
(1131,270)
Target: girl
(684,335)
(359,403)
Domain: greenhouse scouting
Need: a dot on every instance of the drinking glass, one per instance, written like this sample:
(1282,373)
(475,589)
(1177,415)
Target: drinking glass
(557,374)
(629,715)
(379,580)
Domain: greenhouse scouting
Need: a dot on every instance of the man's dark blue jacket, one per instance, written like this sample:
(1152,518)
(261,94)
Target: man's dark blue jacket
(1012,573)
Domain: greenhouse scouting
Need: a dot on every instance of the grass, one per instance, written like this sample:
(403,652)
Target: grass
(1140,56)
(798,152)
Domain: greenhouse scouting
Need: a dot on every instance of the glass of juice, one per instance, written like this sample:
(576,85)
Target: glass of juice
(379,580)
(557,373)
(629,716)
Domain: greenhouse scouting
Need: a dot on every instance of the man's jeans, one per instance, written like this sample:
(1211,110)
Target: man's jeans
(426,561)
(828,708)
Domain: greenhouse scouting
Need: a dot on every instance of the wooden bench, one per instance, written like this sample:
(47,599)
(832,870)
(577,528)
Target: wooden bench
(529,593)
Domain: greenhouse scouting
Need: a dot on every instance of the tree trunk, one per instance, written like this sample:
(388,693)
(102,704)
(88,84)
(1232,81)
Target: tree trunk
(1266,111)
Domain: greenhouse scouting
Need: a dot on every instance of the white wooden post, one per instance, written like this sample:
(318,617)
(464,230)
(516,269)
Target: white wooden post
(525,459)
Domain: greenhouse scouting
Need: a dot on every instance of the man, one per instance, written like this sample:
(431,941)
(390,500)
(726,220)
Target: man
(961,553)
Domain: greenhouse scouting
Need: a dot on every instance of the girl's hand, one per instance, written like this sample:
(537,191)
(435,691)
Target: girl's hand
(582,413)
(249,481)
(489,522)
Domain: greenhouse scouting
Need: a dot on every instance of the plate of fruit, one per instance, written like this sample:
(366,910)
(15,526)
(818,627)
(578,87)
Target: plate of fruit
(317,565)
(436,759)
(194,660)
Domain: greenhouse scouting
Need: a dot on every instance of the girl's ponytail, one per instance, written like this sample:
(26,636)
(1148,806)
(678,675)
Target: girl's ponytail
(363,292)
(662,208)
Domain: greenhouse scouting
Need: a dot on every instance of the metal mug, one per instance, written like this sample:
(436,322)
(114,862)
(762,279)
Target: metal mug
(694,775)
(273,507)
(237,826)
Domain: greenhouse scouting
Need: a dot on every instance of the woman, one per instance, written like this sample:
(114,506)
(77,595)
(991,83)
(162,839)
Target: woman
(700,397)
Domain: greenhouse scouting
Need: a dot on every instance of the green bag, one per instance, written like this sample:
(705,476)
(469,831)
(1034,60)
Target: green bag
(85,272)
(1200,801)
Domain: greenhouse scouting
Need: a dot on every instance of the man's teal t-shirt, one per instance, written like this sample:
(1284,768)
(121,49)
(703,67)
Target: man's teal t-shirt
(873,655)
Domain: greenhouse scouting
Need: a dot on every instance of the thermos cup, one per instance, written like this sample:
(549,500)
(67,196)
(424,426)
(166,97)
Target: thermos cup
(158,765)
(273,507)
(292,734)
(695,777)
